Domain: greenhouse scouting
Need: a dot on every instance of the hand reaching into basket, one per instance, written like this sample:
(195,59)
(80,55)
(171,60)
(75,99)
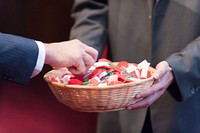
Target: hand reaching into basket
(163,78)
(74,55)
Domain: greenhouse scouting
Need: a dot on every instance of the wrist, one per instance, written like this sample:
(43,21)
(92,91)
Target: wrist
(48,53)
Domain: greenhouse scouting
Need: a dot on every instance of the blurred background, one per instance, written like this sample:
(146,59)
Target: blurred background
(33,108)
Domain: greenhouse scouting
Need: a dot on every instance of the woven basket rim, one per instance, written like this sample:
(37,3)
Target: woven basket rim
(95,87)
(46,78)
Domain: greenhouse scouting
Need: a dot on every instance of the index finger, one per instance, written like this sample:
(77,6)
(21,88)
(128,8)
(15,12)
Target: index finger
(91,51)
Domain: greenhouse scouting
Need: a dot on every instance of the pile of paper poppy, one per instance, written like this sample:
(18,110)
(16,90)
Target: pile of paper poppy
(106,73)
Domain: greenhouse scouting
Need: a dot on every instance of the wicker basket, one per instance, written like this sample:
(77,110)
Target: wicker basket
(96,99)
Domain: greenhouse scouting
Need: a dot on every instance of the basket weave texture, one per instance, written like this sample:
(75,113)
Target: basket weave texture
(96,99)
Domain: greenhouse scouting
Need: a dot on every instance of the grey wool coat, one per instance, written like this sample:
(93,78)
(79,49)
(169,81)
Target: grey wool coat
(136,30)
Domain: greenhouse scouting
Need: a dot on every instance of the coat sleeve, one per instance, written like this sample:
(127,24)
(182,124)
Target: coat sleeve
(90,23)
(18,57)
(186,69)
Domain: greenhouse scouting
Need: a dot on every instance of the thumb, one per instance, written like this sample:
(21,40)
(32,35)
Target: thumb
(161,69)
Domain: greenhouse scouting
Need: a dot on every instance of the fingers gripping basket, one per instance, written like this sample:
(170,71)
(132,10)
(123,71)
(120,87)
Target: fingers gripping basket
(93,98)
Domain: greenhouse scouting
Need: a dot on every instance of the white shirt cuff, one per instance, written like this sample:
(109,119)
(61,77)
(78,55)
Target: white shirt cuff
(40,59)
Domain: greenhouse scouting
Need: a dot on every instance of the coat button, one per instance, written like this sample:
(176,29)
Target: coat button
(192,91)
(197,88)
(150,17)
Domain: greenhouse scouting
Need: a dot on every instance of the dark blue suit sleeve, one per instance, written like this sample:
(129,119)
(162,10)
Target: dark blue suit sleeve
(18,57)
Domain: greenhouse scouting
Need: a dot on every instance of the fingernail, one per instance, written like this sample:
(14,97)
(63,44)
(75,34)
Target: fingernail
(138,96)
(129,108)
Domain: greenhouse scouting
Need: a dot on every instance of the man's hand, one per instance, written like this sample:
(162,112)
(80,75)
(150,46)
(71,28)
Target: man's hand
(74,55)
(163,78)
